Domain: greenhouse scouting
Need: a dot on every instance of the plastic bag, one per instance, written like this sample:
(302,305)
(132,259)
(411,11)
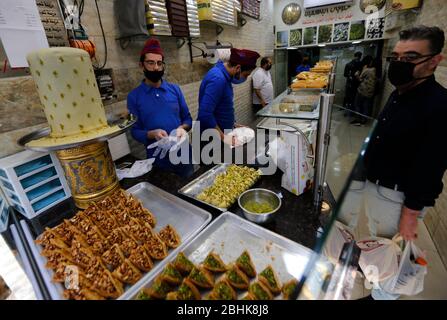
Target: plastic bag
(243,135)
(139,168)
(339,235)
(278,151)
(409,279)
(379,258)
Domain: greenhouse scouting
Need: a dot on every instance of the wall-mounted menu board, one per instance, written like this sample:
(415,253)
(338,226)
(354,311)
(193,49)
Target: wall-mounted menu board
(251,8)
(53,23)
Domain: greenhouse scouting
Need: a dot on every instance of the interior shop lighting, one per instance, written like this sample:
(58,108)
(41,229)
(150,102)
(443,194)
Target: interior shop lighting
(357,42)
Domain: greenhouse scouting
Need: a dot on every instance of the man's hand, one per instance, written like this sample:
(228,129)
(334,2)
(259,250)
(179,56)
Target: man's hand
(263,103)
(181,132)
(156,134)
(230,140)
(408,224)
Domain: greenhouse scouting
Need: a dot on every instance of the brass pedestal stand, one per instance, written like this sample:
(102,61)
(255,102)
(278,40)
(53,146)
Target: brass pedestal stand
(88,164)
(89,171)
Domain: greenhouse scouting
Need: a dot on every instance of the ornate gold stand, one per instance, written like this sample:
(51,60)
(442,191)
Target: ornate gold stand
(90,172)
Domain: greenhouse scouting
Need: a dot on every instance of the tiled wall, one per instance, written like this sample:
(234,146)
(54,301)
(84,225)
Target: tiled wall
(20,107)
(433,13)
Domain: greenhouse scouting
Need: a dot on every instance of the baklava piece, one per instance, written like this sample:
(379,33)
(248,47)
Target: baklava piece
(260,292)
(237,278)
(223,291)
(214,263)
(170,236)
(156,248)
(246,265)
(183,264)
(171,275)
(201,278)
(269,278)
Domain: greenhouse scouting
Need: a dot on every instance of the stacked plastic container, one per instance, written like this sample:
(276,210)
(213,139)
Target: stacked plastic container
(33,182)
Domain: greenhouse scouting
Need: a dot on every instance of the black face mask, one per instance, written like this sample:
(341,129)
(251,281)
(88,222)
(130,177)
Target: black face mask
(401,73)
(153,76)
(268,67)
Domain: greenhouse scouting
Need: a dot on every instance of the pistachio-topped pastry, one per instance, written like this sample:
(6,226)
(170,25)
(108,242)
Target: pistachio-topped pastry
(159,289)
(229,185)
(259,291)
(214,263)
(269,278)
(171,275)
(237,278)
(223,291)
(288,288)
(188,291)
(183,264)
(201,277)
(246,265)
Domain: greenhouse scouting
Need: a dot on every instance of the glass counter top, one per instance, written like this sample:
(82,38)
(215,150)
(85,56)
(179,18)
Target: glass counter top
(288,105)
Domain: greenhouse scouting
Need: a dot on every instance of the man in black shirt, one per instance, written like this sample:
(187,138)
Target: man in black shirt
(407,149)
(352,83)
(406,156)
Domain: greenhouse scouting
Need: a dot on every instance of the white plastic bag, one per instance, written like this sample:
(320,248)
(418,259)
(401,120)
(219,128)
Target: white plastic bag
(278,151)
(379,258)
(139,168)
(243,135)
(339,235)
(409,279)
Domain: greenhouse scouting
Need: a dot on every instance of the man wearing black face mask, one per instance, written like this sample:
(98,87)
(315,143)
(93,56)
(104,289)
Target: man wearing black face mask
(159,106)
(406,157)
(262,85)
(216,107)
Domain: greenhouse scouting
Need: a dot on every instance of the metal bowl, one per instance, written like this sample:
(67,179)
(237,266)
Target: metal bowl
(263,195)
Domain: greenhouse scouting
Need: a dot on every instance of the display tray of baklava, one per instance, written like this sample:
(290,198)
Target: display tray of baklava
(231,259)
(115,244)
(221,186)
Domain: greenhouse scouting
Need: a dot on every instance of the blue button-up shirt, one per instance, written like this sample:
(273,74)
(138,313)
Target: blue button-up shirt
(216,99)
(157,108)
(302,68)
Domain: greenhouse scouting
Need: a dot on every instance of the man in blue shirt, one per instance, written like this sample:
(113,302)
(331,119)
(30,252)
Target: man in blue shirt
(160,108)
(216,109)
(304,65)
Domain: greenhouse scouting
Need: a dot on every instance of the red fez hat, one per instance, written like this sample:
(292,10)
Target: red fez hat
(152,45)
(244,57)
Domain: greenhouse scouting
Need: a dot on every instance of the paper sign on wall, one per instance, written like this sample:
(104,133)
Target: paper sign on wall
(21,30)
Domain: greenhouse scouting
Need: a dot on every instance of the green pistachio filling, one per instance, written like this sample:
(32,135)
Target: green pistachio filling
(268,274)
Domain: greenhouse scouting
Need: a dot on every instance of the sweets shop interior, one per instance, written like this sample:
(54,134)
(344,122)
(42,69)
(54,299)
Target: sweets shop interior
(97,100)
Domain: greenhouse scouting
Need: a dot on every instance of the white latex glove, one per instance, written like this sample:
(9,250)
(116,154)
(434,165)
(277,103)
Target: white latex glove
(169,143)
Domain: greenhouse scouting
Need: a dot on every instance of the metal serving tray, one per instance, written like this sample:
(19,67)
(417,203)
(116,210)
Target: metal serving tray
(186,218)
(195,187)
(228,236)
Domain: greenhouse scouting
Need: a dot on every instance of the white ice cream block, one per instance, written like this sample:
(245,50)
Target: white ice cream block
(33,182)
(67,88)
